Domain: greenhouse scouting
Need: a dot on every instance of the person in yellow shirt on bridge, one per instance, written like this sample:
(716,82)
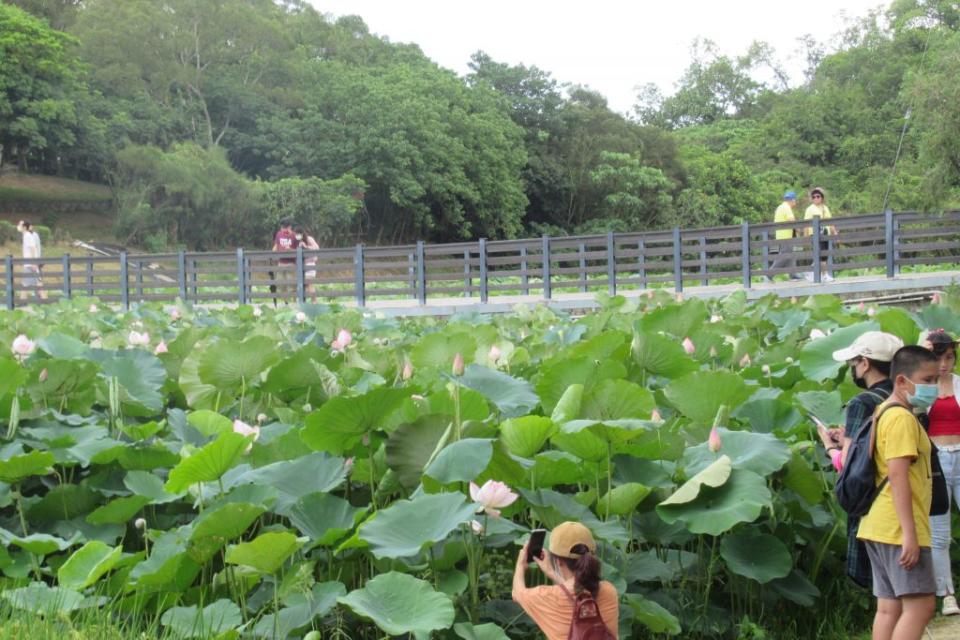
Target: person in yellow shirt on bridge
(784,213)
(819,209)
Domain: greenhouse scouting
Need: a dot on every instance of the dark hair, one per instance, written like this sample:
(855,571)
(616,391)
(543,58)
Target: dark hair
(286,222)
(27,225)
(879,366)
(941,342)
(586,569)
(299,229)
(908,359)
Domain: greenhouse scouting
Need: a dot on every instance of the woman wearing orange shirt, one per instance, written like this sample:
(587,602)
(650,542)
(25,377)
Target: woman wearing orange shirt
(571,564)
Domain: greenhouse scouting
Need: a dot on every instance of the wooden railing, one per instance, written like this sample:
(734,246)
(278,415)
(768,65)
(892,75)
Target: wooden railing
(484,269)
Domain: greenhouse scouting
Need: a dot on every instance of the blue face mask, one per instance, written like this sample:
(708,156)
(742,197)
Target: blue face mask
(923,395)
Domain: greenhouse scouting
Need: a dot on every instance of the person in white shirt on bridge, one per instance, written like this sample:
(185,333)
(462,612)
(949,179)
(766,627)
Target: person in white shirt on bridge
(31,271)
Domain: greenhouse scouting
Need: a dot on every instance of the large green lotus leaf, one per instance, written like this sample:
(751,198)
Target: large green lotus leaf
(553,507)
(717,510)
(583,443)
(661,356)
(461,461)
(299,374)
(653,616)
(17,467)
(761,453)
(826,405)
(339,425)
(209,423)
(504,468)
(210,622)
(405,527)
(557,378)
(168,567)
(217,526)
(267,552)
(796,588)
(323,518)
(410,446)
(41,599)
(64,347)
(488,631)
(755,555)
(699,395)
(678,320)
(939,316)
(12,375)
(473,406)
(615,400)
(141,375)
(788,321)
(622,500)
(70,385)
(40,544)
(512,396)
(437,350)
(714,475)
(147,485)
(118,510)
(766,415)
(651,473)
(63,502)
(525,436)
(553,467)
(301,610)
(145,457)
(312,473)
(603,346)
(399,603)
(899,323)
(88,564)
(816,357)
(229,365)
(803,480)
(568,405)
(209,463)
(197,393)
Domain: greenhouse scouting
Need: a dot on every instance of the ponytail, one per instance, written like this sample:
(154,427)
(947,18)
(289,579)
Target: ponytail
(586,570)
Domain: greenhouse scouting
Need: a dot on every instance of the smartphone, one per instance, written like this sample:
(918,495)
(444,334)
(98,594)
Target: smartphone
(535,546)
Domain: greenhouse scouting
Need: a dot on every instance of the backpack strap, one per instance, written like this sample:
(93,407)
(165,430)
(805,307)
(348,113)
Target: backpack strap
(569,595)
(873,437)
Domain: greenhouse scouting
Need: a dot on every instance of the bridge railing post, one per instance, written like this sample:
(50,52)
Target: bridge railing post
(421,273)
(888,240)
(765,252)
(67,290)
(745,253)
(484,291)
(524,277)
(582,251)
(611,264)
(182,274)
(241,277)
(8,273)
(545,253)
(301,285)
(467,275)
(124,282)
(641,263)
(360,293)
(704,280)
(677,261)
(816,249)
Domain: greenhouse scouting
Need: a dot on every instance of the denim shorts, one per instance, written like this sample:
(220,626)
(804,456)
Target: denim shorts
(892,581)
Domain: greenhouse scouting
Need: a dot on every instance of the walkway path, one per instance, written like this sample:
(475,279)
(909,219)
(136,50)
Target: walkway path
(944,628)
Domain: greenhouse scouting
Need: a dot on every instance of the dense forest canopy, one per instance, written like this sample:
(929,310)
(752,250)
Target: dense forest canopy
(229,114)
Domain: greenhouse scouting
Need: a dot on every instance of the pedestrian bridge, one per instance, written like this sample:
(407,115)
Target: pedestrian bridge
(867,255)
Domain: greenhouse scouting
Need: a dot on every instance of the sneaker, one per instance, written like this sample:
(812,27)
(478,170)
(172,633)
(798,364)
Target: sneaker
(808,276)
(827,277)
(950,607)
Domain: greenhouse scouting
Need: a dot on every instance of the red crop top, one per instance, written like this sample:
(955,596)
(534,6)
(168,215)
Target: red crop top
(945,417)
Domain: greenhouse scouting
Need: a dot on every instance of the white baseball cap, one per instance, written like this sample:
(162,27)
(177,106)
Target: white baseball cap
(875,345)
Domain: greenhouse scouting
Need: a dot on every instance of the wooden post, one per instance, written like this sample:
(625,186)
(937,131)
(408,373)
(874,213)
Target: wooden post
(524,278)
(359,292)
(642,262)
(467,278)
(816,249)
(89,276)
(139,279)
(8,273)
(67,292)
(193,276)
(888,243)
(421,285)
(124,282)
(241,276)
(745,253)
(483,271)
(704,280)
(765,237)
(611,264)
(677,261)
(583,267)
(545,254)
(301,285)
(182,274)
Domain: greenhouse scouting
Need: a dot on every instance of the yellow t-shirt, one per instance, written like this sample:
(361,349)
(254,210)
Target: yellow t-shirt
(552,610)
(784,213)
(821,211)
(899,435)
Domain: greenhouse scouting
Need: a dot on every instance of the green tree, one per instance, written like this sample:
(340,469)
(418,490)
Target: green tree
(327,209)
(635,196)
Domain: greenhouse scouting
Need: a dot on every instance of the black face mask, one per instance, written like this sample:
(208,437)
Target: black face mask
(860,382)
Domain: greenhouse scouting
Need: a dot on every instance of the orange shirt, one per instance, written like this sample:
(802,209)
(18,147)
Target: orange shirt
(552,610)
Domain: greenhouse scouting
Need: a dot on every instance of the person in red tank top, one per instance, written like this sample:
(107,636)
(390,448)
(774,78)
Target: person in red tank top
(944,431)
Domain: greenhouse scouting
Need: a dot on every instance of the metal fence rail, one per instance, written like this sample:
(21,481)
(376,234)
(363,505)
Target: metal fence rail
(486,269)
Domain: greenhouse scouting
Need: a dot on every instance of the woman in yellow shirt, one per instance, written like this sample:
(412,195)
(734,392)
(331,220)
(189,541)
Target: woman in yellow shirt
(819,209)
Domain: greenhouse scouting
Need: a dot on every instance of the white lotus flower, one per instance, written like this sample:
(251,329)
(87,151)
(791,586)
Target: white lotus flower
(257,311)
(765,369)
(789,360)
(245,429)
(476,526)
(872,311)
(716,318)
(816,334)
(495,353)
(745,360)
(261,418)
(300,318)
(137,339)
(93,308)
(140,523)
(23,346)
(493,495)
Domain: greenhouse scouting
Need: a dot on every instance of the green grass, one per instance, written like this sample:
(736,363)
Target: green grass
(24,187)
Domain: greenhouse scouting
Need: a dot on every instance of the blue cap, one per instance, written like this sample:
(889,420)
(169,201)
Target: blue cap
(790,195)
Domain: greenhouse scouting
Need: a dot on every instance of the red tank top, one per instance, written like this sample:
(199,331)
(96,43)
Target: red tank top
(945,417)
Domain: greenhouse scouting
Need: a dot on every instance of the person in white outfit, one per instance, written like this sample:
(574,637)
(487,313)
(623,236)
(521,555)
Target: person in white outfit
(944,431)
(31,270)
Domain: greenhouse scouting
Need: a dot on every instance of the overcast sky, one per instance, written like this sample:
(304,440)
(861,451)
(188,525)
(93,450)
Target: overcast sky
(609,45)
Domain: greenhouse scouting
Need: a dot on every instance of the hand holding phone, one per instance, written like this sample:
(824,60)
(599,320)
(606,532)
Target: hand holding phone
(535,545)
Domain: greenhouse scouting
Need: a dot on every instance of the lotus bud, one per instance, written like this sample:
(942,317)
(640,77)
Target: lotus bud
(713,442)
(23,346)
(407,372)
(872,311)
(140,523)
(458,365)
(313,635)
(477,527)
(765,369)
(307,408)
(493,496)
(160,348)
(745,360)
(300,317)
(688,346)
(713,352)
(716,318)
(348,466)
(816,334)
(793,299)
(261,418)
(494,354)
(43,376)
(789,360)
(861,307)
(175,314)
(257,311)
(935,298)
(93,309)
(655,416)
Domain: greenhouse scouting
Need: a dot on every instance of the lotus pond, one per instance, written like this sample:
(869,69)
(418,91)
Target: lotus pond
(317,472)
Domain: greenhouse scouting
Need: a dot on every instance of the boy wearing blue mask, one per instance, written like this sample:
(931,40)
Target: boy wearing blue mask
(897,528)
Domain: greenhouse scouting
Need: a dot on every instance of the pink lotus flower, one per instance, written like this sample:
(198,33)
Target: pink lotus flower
(407,372)
(245,429)
(816,334)
(935,298)
(137,339)
(43,376)
(160,348)
(23,346)
(342,341)
(688,346)
(494,354)
(175,314)
(458,365)
(655,416)
(713,442)
(872,311)
(493,495)
(745,360)
(300,318)
(861,307)
(348,466)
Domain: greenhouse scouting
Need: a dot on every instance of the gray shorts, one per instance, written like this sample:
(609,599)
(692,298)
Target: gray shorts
(892,581)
